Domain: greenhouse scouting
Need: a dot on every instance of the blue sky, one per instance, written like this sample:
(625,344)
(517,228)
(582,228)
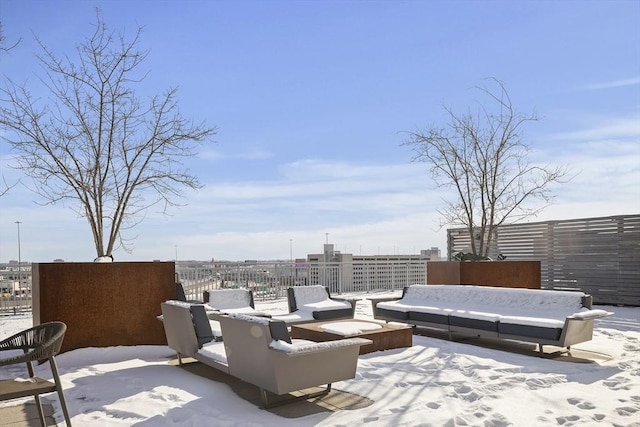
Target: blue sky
(313,99)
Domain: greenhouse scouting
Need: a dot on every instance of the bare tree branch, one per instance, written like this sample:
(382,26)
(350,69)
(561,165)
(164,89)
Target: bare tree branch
(3,39)
(482,156)
(96,146)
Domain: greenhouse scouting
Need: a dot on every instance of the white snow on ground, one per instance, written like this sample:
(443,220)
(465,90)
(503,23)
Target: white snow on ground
(434,383)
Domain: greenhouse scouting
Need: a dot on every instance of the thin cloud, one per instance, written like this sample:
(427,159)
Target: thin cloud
(614,83)
(607,129)
(251,154)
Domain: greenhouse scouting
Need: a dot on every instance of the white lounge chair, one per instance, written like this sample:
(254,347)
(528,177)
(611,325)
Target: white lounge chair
(260,351)
(314,303)
(232,301)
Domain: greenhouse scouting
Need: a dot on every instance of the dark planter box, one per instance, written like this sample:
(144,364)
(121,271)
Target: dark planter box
(508,274)
(104,304)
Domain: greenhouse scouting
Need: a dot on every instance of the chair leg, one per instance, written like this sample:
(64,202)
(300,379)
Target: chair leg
(56,378)
(40,411)
(267,405)
(36,396)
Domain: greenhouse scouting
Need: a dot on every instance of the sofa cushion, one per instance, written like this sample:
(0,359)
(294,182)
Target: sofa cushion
(420,316)
(404,305)
(332,313)
(546,320)
(493,296)
(299,316)
(519,330)
(214,351)
(386,313)
(327,304)
(471,323)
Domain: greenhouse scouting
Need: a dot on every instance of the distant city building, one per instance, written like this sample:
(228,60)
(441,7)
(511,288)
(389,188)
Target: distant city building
(354,273)
(433,254)
(15,278)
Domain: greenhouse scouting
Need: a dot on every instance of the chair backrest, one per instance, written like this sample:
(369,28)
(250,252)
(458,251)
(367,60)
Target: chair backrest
(298,296)
(221,299)
(40,342)
(180,295)
(186,326)
(279,331)
(246,342)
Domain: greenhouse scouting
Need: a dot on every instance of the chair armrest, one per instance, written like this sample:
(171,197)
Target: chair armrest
(351,301)
(304,349)
(590,314)
(375,301)
(214,314)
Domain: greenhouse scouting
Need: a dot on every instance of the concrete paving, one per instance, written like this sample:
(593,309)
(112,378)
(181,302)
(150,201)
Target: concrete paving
(26,415)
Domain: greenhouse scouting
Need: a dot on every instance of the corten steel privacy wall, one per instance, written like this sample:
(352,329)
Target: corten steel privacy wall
(599,256)
(104,304)
(506,274)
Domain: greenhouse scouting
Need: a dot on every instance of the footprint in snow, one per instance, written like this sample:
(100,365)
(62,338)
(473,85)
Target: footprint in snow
(564,420)
(433,405)
(581,404)
(626,411)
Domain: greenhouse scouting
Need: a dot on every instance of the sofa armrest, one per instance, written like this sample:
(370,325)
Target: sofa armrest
(304,349)
(375,301)
(590,314)
(351,301)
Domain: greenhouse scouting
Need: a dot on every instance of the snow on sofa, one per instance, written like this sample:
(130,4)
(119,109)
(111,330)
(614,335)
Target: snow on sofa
(260,351)
(545,317)
(314,303)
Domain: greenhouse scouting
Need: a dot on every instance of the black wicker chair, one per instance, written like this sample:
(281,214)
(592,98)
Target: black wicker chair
(40,343)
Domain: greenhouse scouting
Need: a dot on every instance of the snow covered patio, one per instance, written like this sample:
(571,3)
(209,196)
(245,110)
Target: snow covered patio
(434,383)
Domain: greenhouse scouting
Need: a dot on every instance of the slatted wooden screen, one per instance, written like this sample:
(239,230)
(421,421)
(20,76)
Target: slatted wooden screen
(599,256)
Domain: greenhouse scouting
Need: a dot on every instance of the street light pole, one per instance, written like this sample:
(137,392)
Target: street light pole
(19,260)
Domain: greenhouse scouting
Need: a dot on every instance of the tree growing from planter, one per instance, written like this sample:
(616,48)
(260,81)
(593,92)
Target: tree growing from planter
(93,144)
(481,155)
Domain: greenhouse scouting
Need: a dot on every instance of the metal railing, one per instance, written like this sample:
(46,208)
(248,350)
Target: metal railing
(11,303)
(270,279)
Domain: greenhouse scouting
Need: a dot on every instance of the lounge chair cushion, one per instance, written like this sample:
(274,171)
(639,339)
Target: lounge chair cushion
(201,324)
(279,331)
(225,299)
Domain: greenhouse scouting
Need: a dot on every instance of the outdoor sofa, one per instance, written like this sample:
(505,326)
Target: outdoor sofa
(314,303)
(259,350)
(545,317)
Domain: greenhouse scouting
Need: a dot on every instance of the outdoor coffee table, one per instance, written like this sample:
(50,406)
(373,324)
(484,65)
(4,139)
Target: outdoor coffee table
(385,336)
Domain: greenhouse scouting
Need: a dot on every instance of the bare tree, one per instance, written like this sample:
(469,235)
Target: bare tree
(483,157)
(5,187)
(95,145)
